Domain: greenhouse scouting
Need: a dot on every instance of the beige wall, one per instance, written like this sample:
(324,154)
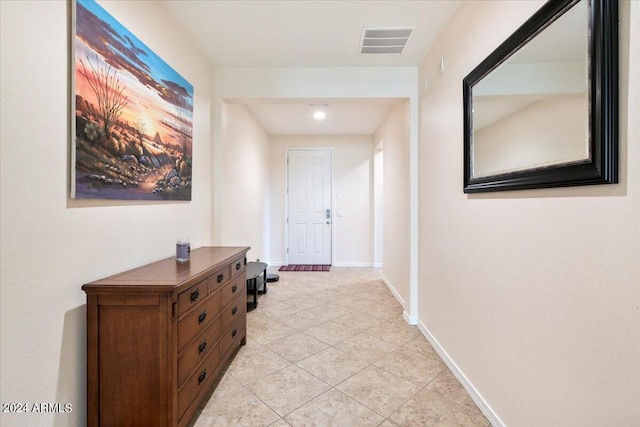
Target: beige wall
(377,213)
(352,168)
(393,133)
(532,296)
(541,134)
(51,245)
(244,199)
(273,83)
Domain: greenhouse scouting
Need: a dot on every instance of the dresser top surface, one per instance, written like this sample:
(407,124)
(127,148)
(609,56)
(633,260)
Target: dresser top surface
(168,274)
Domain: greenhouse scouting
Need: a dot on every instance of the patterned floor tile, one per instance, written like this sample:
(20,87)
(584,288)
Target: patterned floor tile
(331,332)
(239,408)
(432,409)
(418,369)
(287,389)
(378,389)
(333,349)
(332,366)
(297,347)
(447,385)
(254,364)
(333,409)
(366,347)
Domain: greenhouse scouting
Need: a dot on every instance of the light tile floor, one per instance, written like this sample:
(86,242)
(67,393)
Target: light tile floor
(331,349)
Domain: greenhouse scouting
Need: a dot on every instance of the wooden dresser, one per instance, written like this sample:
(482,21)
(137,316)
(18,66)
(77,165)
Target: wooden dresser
(159,335)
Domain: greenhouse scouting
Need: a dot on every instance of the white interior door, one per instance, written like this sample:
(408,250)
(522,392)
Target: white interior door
(309,215)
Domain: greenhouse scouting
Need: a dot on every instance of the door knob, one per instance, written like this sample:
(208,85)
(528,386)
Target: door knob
(328,222)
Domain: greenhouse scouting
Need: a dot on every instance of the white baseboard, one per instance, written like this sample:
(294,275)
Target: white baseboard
(335,264)
(377,265)
(455,370)
(276,263)
(393,290)
(410,320)
(351,264)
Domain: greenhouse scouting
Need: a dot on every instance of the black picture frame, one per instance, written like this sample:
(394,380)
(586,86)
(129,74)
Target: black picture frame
(602,167)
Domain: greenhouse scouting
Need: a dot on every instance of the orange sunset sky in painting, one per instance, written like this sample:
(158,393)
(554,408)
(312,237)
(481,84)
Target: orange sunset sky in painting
(153,89)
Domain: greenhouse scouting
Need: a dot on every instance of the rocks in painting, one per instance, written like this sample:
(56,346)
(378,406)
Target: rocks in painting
(157,138)
(116,146)
(139,150)
(107,180)
(157,161)
(170,183)
(164,159)
(129,158)
(184,169)
(172,173)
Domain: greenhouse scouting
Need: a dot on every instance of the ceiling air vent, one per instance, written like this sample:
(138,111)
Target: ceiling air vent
(385,40)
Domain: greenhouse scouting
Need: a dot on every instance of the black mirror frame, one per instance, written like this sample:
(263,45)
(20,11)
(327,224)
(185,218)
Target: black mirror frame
(602,167)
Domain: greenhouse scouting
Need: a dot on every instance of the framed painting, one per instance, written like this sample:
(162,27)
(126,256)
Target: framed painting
(132,115)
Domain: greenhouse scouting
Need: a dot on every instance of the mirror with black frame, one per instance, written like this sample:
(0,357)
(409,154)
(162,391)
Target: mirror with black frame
(541,110)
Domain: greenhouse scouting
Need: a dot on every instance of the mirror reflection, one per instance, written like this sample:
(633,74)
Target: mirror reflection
(532,110)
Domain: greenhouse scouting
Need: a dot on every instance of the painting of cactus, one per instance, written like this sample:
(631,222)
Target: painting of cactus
(132,115)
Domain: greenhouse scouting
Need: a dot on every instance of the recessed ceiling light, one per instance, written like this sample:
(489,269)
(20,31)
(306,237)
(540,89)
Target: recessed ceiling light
(319,115)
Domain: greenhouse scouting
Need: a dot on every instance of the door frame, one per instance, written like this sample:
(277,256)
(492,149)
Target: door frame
(286,199)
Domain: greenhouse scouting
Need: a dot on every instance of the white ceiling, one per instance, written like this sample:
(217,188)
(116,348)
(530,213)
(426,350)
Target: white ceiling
(300,33)
(343,116)
(314,33)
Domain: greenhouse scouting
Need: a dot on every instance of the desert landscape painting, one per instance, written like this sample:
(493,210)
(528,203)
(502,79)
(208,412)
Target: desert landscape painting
(133,115)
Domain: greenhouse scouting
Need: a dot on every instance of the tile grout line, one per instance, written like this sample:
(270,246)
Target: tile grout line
(356,281)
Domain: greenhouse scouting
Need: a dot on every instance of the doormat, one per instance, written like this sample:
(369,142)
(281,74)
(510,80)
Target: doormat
(298,267)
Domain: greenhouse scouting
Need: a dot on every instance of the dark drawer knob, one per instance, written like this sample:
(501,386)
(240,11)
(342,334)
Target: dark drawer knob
(195,295)
(202,346)
(234,288)
(220,278)
(234,333)
(202,376)
(235,310)
(202,316)
(238,265)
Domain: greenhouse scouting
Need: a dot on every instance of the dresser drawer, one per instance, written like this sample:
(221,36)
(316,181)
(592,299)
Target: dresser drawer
(232,336)
(218,279)
(197,350)
(193,296)
(200,379)
(233,311)
(237,266)
(232,289)
(197,321)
